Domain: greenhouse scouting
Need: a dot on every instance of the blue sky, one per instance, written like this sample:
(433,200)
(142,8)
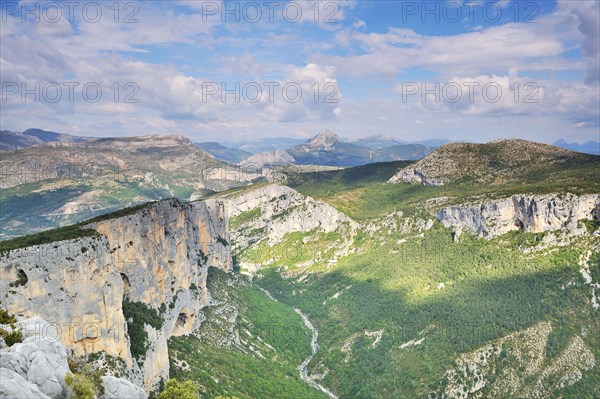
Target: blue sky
(464,70)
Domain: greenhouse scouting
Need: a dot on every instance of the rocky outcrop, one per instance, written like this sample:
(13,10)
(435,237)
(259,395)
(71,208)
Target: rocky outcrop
(119,388)
(36,368)
(263,217)
(158,256)
(530,213)
(281,210)
(416,176)
(484,373)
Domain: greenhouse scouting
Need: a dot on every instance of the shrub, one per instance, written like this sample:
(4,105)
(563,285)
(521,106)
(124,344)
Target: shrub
(21,278)
(180,390)
(16,335)
(86,384)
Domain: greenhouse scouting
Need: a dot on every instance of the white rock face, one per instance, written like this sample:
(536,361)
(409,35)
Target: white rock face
(531,213)
(158,256)
(13,386)
(283,210)
(35,368)
(272,158)
(415,176)
(119,388)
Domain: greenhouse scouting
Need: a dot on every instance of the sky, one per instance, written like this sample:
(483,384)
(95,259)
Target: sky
(229,70)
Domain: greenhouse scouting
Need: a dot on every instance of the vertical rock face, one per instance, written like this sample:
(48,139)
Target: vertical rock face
(283,210)
(531,213)
(158,256)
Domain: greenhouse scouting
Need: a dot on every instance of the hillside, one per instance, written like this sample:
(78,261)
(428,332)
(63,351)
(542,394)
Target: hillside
(11,141)
(498,163)
(55,184)
(223,153)
(411,295)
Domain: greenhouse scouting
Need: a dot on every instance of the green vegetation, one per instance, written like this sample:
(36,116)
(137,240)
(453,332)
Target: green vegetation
(120,213)
(86,380)
(363,192)
(45,237)
(180,390)
(590,225)
(223,368)
(15,336)
(21,279)
(244,217)
(490,290)
(138,315)
(81,386)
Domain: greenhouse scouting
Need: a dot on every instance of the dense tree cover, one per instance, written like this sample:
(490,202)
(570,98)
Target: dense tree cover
(138,315)
(236,370)
(491,289)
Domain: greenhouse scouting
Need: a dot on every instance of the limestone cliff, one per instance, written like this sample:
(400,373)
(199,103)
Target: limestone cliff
(530,213)
(158,256)
(268,214)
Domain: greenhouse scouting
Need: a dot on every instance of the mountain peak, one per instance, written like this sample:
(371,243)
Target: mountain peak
(325,139)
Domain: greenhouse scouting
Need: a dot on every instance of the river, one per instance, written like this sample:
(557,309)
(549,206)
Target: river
(314,345)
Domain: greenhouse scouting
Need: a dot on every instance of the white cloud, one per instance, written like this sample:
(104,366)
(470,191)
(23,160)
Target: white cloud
(503,95)
(495,49)
(587,15)
(318,98)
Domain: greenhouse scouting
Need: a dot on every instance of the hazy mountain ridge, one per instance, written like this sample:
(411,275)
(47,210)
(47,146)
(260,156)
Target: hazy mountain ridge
(54,184)
(223,153)
(11,141)
(327,148)
(589,147)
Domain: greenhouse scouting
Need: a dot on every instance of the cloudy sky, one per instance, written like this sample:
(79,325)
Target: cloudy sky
(214,70)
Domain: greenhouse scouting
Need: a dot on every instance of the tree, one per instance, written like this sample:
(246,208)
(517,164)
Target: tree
(180,390)
(15,335)
(81,385)
(85,382)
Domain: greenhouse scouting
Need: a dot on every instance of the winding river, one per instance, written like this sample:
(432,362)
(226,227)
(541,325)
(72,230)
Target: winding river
(314,344)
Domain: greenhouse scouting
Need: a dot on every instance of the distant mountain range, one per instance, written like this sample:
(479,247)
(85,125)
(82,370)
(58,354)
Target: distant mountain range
(227,154)
(383,141)
(589,147)
(326,148)
(256,146)
(57,183)
(11,141)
